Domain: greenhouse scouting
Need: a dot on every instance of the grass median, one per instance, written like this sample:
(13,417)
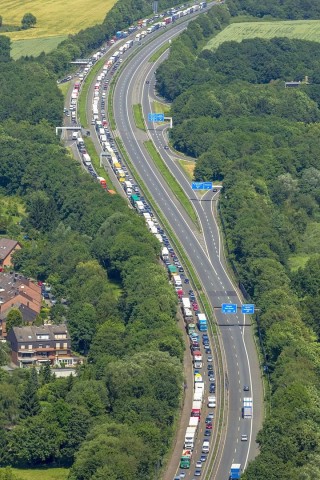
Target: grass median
(138,116)
(171,181)
(82,103)
(159,52)
(91,149)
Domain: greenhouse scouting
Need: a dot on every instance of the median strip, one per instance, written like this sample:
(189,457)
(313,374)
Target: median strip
(159,52)
(171,181)
(138,116)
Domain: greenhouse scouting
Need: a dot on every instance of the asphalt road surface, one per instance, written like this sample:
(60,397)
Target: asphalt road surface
(242,366)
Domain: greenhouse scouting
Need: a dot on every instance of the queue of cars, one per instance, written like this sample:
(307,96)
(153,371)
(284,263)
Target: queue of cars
(179,280)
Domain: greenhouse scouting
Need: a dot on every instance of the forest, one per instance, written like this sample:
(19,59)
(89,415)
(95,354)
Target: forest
(232,113)
(116,419)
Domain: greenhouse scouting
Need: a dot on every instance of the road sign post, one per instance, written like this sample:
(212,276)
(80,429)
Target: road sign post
(155,117)
(201,185)
(229,308)
(247,309)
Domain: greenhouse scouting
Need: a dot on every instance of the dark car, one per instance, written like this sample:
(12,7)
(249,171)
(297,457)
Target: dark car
(246,388)
(147,82)
(207,433)
(214,189)
(166,147)
(186,280)
(212,388)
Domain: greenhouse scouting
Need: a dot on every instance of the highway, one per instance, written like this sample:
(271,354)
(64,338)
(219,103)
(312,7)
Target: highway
(242,366)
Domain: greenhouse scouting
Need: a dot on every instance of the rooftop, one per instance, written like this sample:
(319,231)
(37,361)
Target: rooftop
(13,284)
(32,333)
(6,247)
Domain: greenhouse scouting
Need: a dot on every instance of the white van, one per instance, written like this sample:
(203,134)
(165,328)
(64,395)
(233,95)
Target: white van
(206,447)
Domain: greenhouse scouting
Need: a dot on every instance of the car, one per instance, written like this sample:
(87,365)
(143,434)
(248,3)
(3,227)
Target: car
(46,295)
(205,336)
(197,473)
(181,269)
(166,147)
(186,280)
(211,377)
(147,82)
(210,415)
(208,419)
(191,292)
(244,438)
(207,433)
(212,402)
(212,388)
(182,475)
(206,343)
(203,458)
(196,308)
(199,464)
(209,358)
(246,388)
(209,426)
(208,350)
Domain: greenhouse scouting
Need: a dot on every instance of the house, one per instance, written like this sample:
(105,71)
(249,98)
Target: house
(7,248)
(35,346)
(17,291)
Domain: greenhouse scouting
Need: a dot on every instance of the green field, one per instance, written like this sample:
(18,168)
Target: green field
(300,29)
(34,46)
(56,19)
(41,473)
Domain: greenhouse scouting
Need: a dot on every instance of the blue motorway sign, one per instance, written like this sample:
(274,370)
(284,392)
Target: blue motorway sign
(201,185)
(247,308)
(155,117)
(229,308)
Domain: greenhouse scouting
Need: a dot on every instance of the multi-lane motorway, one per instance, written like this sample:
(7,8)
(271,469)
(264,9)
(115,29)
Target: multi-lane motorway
(242,366)
(205,251)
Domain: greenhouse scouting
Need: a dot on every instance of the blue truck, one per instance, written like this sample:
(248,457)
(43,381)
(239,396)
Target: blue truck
(235,471)
(202,322)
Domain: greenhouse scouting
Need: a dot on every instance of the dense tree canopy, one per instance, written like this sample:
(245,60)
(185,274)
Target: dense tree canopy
(115,419)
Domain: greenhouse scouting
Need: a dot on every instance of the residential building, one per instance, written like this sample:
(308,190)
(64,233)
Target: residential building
(7,248)
(17,291)
(34,346)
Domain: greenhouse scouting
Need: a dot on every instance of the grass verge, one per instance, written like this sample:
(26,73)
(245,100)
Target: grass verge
(159,52)
(91,149)
(138,116)
(64,87)
(188,167)
(171,181)
(82,111)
